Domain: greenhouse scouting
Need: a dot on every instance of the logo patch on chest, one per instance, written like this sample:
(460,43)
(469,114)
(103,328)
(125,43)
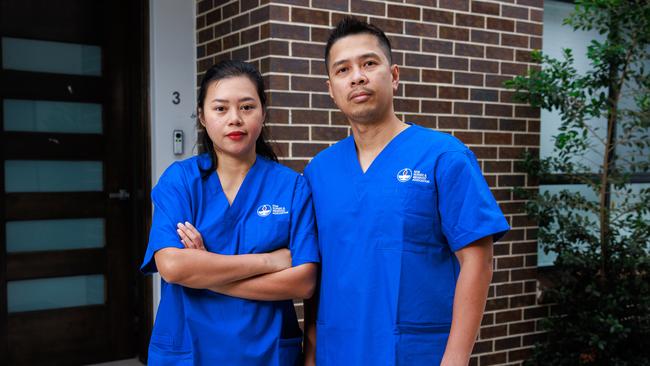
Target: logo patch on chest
(266,210)
(407,174)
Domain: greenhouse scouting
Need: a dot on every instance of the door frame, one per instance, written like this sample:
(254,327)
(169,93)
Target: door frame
(136,107)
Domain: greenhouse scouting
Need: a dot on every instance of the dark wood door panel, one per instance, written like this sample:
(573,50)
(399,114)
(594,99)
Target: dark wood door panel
(43,337)
(41,206)
(60,263)
(37,85)
(52,146)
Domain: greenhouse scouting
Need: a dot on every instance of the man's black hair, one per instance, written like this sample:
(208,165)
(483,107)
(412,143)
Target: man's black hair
(350,26)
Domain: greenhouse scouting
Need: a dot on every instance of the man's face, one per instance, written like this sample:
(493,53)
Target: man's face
(361,80)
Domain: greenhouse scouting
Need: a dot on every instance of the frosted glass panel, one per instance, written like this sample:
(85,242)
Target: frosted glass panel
(53,57)
(53,293)
(556,38)
(544,259)
(53,176)
(46,116)
(29,236)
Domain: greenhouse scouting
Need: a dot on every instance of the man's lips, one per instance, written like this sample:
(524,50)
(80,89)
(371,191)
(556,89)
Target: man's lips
(360,96)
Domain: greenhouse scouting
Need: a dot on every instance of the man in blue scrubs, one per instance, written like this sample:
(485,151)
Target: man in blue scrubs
(406,224)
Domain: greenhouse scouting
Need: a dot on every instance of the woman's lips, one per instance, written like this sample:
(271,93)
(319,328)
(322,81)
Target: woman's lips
(236,136)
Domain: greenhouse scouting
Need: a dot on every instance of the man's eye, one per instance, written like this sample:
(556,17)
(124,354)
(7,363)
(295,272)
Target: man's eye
(341,70)
(370,63)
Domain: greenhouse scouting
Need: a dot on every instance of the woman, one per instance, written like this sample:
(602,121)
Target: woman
(226,295)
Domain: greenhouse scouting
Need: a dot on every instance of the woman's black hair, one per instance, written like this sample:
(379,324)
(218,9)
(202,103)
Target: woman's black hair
(223,70)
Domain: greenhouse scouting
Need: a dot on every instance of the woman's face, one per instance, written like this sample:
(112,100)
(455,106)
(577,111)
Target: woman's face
(232,115)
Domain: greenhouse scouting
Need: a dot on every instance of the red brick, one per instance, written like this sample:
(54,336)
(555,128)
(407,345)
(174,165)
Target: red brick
(311,50)
(509,289)
(420,91)
(501,24)
(463,78)
(420,60)
(436,46)
(406,105)
(203,6)
(437,76)
(493,332)
(437,16)
(469,137)
(421,29)
(453,63)
(403,12)
(307,149)
(322,101)
(299,15)
(536,15)
(341,5)
(277,115)
(304,83)
(468,20)
(498,110)
(458,34)
(514,40)
(446,122)
(287,31)
(405,43)
(510,262)
(485,8)
(472,50)
(499,53)
(454,4)
(368,7)
(436,106)
(328,133)
(289,65)
(479,36)
(448,92)
(507,343)
(468,108)
(388,25)
(514,12)
(288,133)
(484,95)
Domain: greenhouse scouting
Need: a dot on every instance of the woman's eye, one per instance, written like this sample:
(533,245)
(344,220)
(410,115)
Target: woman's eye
(247,107)
(219,109)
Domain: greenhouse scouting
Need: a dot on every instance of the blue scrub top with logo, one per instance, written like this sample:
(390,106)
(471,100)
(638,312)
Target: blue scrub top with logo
(387,239)
(272,210)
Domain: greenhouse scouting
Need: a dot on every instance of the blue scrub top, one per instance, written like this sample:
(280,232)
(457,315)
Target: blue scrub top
(272,210)
(387,239)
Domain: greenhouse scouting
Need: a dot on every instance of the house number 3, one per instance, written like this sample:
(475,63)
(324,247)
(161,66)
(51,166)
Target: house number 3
(176,97)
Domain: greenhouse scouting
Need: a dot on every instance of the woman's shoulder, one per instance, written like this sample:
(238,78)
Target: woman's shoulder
(186,170)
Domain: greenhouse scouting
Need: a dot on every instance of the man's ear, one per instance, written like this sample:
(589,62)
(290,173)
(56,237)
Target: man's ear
(329,88)
(394,71)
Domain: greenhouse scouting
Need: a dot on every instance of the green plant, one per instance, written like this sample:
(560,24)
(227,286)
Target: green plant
(601,288)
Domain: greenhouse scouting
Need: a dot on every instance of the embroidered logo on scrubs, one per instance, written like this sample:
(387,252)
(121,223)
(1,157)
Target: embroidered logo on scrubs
(264,211)
(404,175)
(407,174)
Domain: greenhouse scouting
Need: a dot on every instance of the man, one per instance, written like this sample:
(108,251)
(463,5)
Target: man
(406,223)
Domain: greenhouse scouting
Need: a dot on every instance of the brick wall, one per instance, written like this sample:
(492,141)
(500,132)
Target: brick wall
(453,57)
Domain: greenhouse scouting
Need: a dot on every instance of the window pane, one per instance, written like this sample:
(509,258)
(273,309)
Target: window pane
(29,236)
(544,259)
(53,176)
(53,57)
(557,37)
(53,293)
(46,116)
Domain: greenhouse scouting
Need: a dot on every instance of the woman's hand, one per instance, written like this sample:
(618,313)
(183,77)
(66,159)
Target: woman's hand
(190,236)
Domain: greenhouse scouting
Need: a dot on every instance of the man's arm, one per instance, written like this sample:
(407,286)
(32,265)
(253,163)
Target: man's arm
(309,341)
(198,268)
(292,283)
(469,300)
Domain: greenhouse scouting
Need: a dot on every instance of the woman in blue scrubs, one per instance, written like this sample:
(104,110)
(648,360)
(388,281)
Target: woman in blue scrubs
(226,293)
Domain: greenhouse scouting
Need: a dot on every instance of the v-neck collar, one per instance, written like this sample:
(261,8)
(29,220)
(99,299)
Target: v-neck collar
(353,157)
(243,188)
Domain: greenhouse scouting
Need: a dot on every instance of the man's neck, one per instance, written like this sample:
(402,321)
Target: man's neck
(371,137)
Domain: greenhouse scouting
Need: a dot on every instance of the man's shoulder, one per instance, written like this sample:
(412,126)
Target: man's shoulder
(438,141)
(332,153)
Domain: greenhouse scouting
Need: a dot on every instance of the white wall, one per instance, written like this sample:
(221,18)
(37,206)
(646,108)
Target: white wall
(172,69)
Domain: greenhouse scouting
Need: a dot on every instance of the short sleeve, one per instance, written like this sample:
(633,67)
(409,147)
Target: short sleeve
(303,242)
(171,200)
(468,210)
